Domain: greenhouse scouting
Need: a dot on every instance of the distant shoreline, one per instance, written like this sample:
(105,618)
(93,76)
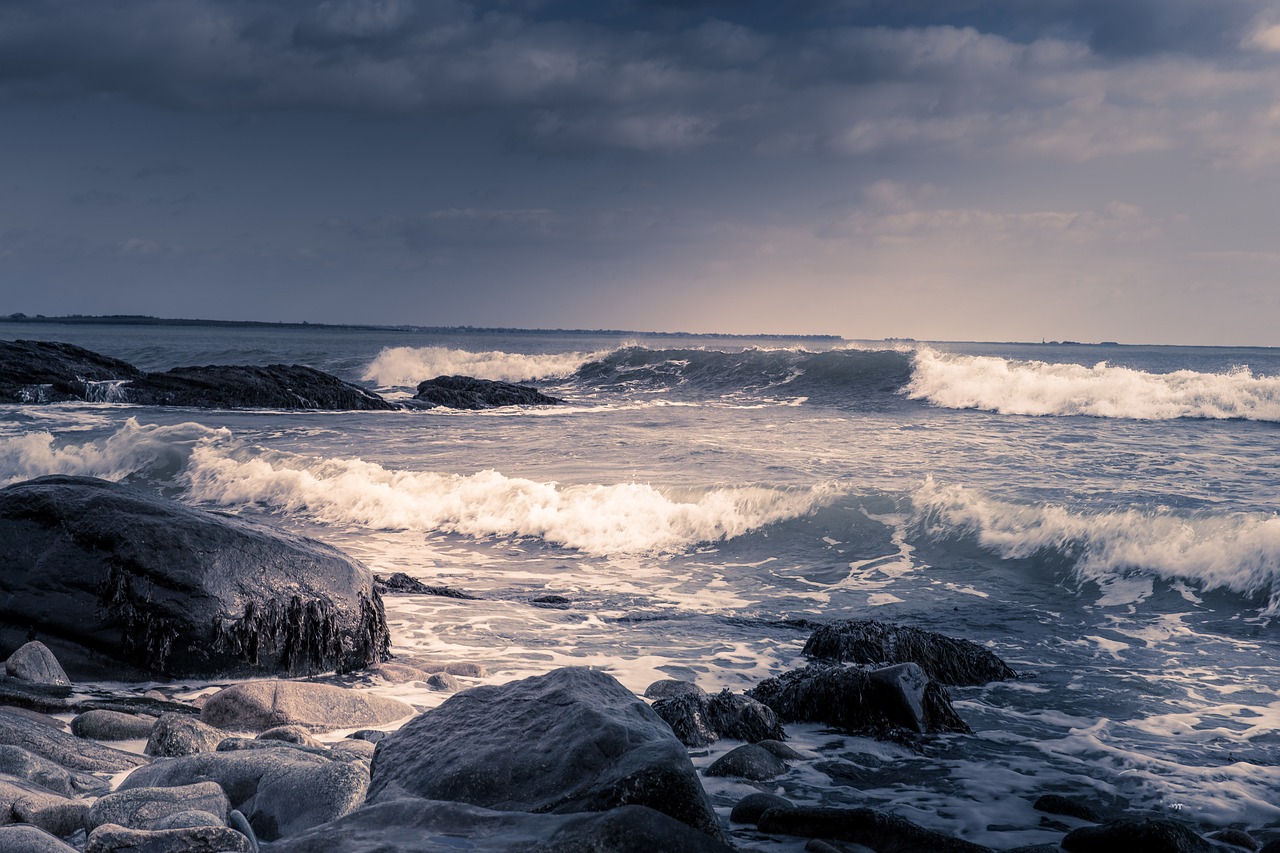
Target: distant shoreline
(146,320)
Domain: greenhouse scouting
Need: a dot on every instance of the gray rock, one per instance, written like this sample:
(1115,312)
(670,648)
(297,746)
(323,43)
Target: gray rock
(944,659)
(260,705)
(443,681)
(424,826)
(64,748)
(110,838)
(180,734)
(1156,835)
(500,747)
(188,818)
(236,744)
(668,688)
(16,761)
(282,789)
(290,734)
(750,807)
(748,762)
(882,832)
(112,725)
(26,802)
(371,735)
(358,748)
(24,838)
(35,663)
(145,808)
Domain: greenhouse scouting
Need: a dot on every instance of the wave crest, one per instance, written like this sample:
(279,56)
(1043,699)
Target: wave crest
(407,366)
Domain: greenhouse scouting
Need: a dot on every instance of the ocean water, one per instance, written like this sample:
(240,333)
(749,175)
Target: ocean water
(1102,517)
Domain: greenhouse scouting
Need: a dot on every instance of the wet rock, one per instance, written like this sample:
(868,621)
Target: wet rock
(779,749)
(750,807)
(63,748)
(698,719)
(670,688)
(124,584)
(34,662)
(1060,805)
(112,725)
(145,808)
(275,386)
(559,602)
(27,802)
(281,789)
(290,734)
(944,659)
(1150,835)
(398,583)
(748,762)
(110,838)
(410,825)
(882,832)
(24,838)
(23,764)
(179,734)
(900,691)
(1236,837)
(260,705)
(499,747)
(50,372)
(848,698)
(464,392)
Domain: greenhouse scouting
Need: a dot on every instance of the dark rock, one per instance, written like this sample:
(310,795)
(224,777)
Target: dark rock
(34,662)
(944,659)
(282,790)
(42,699)
(1058,804)
(688,718)
(748,762)
(846,697)
(750,807)
(900,691)
(1237,838)
(24,838)
(49,372)
(112,725)
(1271,847)
(196,839)
(371,735)
(63,748)
(1150,835)
(260,705)
(424,826)
(179,734)
(276,386)
(240,823)
(698,719)
(145,808)
(130,582)
(884,833)
(398,583)
(669,688)
(23,764)
(290,734)
(499,747)
(556,601)
(779,749)
(26,802)
(463,392)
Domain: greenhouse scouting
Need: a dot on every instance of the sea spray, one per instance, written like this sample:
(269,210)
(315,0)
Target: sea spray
(407,366)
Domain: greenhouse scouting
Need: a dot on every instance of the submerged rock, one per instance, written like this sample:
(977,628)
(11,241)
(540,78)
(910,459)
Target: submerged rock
(261,705)
(573,740)
(50,372)
(944,659)
(399,583)
(882,832)
(464,392)
(1060,805)
(1156,835)
(276,386)
(122,582)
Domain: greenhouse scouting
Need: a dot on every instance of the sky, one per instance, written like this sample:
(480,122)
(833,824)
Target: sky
(964,170)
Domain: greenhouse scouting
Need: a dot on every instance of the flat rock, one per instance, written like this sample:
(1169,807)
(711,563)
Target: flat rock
(195,839)
(24,838)
(748,761)
(944,659)
(24,764)
(503,747)
(26,802)
(464,392)
(180,734)
(1151,835)
(121,583)
(145,808)
(63,748)
(34,662)
(423,826)
(261,705)
(112,725)
(398,583)
(281,789)
(882,832)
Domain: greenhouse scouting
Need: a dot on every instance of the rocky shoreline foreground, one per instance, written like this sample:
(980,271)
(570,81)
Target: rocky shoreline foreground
(101,582)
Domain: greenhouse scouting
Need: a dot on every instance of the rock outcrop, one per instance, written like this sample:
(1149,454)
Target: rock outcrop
(464,392)
(944,659)
(275,386)
(50,372)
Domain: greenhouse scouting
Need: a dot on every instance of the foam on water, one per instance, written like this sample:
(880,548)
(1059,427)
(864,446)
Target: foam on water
(407,366)
(1037,388)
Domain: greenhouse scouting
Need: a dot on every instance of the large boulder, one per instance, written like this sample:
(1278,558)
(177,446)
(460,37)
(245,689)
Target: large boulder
(34,662)
(276,386)
(260,705)
(120,581)
(464,392)
(50,372)
(574,740)
(944,659)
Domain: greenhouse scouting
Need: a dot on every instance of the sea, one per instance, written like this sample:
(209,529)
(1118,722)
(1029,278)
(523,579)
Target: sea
(1104,518)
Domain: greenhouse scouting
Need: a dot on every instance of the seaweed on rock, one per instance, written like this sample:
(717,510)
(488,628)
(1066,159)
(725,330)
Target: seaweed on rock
(945,659)
(306,635)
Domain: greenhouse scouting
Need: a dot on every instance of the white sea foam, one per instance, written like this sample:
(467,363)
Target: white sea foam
(407,366)
(1238,551)
(622,518)
(1037,388)
(157,450)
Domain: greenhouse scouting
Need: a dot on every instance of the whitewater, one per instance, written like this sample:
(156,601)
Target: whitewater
(1102,517)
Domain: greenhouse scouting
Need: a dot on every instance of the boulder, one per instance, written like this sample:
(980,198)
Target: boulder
(422,826)
(120,582)
(944,659)
(63,748)
(698,719)
(750,807)
(669,688)
(847,697)
(34,662)
(443,681)
(355,748)
(24,764)
(195,839)
(290,734)
(179,734)
(276,386)
(573,740)
(112,725)
(260,705)
(24,838)
(1150,835)
(281,789)
(464,392)
(145,808)
(26,802)
(882,832)
(188,818)
(50,372)
(748,761)
(398,583)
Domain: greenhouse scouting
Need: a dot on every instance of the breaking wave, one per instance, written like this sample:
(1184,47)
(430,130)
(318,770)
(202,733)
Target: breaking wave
(407,366)
(1238,552)
(1038,388)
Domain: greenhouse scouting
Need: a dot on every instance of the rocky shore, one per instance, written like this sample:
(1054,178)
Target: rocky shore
(101,582)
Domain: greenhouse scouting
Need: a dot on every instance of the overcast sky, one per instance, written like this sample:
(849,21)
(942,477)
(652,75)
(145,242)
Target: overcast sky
(968,169)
